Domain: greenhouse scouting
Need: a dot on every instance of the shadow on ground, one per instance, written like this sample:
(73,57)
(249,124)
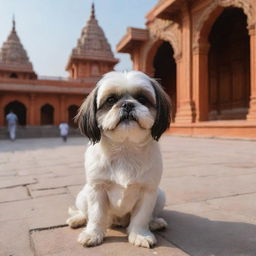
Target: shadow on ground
(199,236)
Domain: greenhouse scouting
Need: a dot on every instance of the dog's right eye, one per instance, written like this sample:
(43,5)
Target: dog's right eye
(111,100)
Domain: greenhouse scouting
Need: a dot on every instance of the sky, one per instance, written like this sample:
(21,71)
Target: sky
(49,29)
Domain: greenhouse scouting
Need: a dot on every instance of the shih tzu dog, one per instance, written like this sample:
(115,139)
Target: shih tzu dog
(123,117)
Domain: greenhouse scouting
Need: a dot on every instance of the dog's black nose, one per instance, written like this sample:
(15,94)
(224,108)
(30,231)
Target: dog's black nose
(127,106)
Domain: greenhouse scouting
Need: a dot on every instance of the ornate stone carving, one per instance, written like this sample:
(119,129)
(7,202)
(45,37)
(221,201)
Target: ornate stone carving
(169,31)
(204,15)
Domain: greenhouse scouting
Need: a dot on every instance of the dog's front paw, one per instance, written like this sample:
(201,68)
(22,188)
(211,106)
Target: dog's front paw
(143,239)
(90,238)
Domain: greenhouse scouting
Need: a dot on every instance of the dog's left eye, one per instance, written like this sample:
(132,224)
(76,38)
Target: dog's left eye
(111,100)
(142,99)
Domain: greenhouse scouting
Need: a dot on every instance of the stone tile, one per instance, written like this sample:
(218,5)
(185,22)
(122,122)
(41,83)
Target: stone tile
(190,189)
(33,170)
(8,166)
(14,239)
(74,190)
(13,194)
(16,181)
(78,164)
(16,210)
(50,211)
(206,180)
(56,182)
(48,192)
(242,205)
(41,212)
(4,173)
(67,171)
(200,230)
(204,170)
(62,241)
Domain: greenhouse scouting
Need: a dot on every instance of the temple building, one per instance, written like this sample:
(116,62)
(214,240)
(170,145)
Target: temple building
(92,56)
(14,61)
(48,101)
(204,54)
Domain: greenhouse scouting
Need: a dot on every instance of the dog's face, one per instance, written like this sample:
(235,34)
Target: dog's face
(125,105)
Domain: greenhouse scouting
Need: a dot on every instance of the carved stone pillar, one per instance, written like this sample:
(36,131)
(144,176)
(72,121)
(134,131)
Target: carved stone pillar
(31,110)
(2,120)
(185,110)
(136,59)
(252,107)
(62,117)
(200,81)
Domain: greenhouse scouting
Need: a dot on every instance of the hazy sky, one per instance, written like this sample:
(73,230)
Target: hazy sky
(49,29)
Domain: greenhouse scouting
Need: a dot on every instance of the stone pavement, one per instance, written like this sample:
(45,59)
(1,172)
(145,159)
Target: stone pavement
(211,199)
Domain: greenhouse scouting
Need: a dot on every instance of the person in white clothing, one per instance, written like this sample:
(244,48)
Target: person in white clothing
(12,120)
(64,127)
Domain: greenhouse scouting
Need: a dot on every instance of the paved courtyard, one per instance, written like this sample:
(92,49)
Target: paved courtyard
(211,199)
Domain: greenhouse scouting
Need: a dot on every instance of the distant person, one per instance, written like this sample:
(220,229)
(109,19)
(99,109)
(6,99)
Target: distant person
(64,130)
(12,120)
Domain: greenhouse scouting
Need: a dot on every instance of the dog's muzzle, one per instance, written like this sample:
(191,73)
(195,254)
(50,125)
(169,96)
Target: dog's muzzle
(127,112)
(127,106)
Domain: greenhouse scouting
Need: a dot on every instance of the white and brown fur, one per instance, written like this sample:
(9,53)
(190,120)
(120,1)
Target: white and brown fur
(123,117)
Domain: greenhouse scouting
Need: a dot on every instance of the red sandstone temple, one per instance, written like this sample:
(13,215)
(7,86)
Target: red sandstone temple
(202,51)
(44,101)
(204,54)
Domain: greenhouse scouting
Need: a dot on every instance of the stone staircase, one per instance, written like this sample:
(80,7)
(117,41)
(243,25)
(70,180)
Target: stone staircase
(37,132)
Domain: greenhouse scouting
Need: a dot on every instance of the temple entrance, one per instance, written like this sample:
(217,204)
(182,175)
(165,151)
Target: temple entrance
(165,70)
(229,66)
(47,112)
(72,111)
(13,75)
(19,109)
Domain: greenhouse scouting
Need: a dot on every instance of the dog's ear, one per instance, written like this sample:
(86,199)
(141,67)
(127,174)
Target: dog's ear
(163,111)
(86,118)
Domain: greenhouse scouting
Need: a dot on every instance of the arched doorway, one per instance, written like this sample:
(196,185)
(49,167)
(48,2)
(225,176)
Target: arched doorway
(165,70)
(229,66)
(19,109)
(47,113)
(72,111)
(13,75)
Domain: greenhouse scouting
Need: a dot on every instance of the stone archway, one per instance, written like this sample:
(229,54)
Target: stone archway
(202,48)
(229,66)
(149,55)
(165,70)
(13,75)
(47,115)
(72,111)
(19,109)
(203,24)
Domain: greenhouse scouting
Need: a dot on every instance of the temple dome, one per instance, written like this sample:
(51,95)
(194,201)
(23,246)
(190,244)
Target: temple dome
(13,56)
(93,44)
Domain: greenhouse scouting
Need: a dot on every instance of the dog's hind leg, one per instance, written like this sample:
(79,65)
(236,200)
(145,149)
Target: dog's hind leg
(78,216)
(157,223)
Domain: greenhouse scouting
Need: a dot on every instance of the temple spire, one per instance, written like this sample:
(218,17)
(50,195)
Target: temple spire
(93,49)
(12,51)
(13,23)
(92,16)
